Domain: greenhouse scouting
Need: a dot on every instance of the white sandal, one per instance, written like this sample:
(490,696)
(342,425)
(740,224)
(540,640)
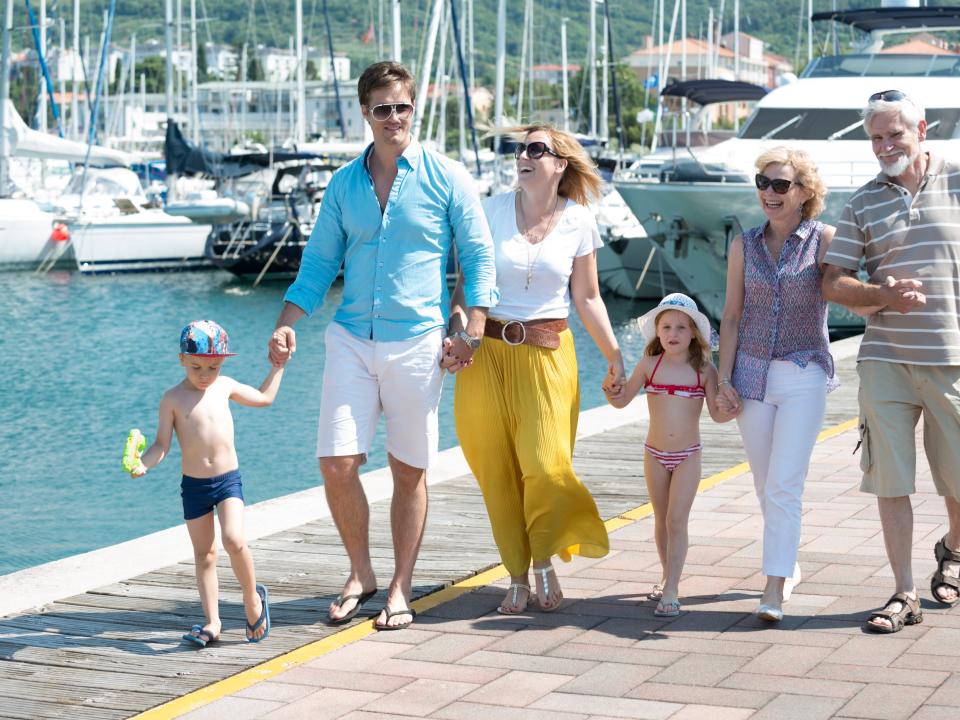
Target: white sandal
(657,592)
(515,588)
(544,572)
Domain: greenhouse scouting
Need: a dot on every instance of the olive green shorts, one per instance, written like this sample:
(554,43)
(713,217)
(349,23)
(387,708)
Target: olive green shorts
(893,396)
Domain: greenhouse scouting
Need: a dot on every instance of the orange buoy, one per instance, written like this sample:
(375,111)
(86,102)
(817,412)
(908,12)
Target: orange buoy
(60,233)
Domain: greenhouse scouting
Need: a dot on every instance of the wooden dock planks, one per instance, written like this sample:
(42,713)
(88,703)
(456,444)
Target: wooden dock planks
(116,650)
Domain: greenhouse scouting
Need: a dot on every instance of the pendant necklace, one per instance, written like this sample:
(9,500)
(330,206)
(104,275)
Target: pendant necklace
(531,239)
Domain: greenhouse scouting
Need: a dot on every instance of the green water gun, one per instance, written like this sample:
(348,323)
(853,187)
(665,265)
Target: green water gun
(132,450)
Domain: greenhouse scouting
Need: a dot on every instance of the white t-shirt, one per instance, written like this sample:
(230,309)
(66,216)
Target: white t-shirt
(551,260)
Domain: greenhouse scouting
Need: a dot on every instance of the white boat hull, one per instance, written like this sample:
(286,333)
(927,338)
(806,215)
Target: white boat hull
(143,241)
(694,223)
(25,234)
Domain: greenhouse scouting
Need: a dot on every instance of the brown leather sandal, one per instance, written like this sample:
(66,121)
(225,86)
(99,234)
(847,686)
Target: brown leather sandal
(943,554)
(908,614)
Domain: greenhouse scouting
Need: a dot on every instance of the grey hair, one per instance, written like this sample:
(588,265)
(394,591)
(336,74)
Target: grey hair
(910,112)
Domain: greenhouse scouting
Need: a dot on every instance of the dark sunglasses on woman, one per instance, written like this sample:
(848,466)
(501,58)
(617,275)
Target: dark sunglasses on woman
(780,186)
(535,150)
(384,111)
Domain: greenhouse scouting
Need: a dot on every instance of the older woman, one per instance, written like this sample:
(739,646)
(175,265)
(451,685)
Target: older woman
(775,362)
(517,404)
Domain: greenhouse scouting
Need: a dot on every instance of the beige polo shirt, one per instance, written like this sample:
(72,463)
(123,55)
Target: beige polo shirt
(908,237)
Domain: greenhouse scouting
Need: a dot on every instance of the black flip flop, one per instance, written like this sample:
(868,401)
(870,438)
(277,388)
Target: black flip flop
(390,613)
(361,598)
(200,637)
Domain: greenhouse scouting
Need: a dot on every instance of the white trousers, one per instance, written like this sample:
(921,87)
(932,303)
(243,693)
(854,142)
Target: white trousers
(778,434)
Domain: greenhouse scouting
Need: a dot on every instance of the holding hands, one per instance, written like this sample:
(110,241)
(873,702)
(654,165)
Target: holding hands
(282,345)
(728,399)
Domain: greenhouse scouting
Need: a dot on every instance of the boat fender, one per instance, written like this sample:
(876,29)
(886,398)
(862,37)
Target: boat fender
(60,233)
(132,450)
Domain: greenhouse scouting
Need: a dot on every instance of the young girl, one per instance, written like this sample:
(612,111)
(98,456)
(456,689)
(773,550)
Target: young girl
(677,375)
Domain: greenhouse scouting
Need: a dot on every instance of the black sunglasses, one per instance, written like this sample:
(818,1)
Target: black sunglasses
(384,111)
(889,96)
(535,150)
(780,186)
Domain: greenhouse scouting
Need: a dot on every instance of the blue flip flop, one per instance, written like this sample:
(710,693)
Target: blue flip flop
(199,636)
(264,618)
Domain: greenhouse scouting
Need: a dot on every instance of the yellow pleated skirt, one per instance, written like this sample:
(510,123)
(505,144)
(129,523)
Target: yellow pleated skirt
(516,412)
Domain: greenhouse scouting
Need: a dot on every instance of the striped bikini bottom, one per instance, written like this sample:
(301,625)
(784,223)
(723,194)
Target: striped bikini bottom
(670,460)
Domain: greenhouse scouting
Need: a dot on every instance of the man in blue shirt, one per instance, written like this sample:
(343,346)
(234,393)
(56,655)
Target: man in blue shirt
(389,218)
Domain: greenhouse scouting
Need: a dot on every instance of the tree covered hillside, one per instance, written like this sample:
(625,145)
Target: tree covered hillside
(271,22)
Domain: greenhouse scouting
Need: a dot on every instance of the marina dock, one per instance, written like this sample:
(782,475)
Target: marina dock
(114,650)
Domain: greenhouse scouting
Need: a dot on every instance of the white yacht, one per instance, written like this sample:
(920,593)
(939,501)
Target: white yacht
(112,227)
(694,203)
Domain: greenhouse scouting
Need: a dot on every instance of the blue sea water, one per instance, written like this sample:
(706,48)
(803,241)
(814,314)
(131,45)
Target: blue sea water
(89,357)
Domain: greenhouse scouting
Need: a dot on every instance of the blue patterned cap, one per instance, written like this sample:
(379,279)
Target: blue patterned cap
(688,306)
(205,338)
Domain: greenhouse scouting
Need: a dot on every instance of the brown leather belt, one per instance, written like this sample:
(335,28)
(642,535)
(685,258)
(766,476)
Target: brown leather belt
(540,333)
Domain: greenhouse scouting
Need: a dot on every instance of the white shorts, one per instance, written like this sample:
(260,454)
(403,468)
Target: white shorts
(364,378)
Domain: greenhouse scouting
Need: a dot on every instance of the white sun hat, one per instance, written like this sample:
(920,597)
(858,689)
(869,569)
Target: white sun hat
(680,303)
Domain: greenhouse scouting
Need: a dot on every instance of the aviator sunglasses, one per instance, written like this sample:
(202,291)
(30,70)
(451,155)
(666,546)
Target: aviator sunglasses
(780,186)
(384,111)
(535,150)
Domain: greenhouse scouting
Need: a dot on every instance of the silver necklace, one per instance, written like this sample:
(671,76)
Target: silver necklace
(534,240)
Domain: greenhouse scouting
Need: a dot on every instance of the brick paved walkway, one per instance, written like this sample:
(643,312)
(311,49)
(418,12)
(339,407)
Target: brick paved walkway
(605,655)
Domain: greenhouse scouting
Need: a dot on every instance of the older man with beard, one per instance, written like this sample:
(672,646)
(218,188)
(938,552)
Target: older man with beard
(906,224)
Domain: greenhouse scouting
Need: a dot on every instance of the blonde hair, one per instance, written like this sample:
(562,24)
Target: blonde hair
(806,173)
(580,182)
(698,354)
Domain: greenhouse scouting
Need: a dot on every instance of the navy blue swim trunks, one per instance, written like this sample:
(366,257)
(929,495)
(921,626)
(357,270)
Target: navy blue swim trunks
(202,495)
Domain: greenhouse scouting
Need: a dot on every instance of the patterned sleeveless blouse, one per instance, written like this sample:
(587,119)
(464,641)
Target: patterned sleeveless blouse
(784,314)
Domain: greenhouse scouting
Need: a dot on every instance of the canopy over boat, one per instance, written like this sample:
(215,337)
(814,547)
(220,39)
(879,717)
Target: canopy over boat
(707,92)
(890,19)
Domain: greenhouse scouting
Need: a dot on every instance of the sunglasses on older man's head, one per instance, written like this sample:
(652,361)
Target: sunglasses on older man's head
(534,150)
(889,96)
(384,111)
(779,185)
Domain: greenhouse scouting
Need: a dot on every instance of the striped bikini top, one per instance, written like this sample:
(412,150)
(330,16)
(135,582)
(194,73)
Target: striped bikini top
(687,391)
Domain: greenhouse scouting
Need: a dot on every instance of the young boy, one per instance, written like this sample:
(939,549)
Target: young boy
(198,409)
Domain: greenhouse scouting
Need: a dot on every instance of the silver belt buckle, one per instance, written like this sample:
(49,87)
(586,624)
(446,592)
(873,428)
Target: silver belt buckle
(503,332)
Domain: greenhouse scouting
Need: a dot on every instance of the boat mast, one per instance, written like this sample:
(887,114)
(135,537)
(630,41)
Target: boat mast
(605,78)
(301,135)
(4,96)
(498,94)
(426,66)
(396,31)
(168,42)
(662,80)
(333,76)
(42,47)
(194,77)
(592,63)
(566,83)
(75,85)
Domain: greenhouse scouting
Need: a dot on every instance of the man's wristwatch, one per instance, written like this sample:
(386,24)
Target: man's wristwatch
(469,340)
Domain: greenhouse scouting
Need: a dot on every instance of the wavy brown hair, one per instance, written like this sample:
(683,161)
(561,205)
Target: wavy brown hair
(698,354)
(580,181)
(806,173)
(385,74)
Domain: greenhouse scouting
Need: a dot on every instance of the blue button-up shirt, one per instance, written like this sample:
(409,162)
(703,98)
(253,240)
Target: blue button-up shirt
(394,262)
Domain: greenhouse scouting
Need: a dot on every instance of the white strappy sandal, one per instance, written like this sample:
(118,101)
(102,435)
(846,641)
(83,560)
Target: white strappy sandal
(514,590)
(544,573)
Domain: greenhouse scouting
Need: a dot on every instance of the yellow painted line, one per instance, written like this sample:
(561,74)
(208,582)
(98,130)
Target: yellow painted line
(314,650)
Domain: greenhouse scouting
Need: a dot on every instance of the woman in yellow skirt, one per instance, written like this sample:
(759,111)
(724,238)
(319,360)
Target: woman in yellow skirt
(517,401)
